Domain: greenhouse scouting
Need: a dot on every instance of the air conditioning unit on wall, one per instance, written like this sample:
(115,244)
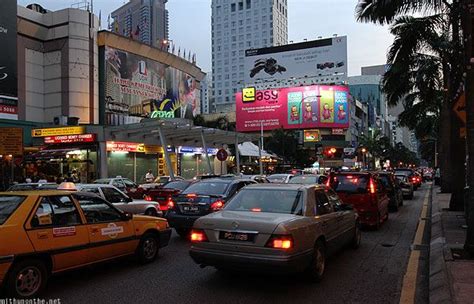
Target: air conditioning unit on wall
(60,120)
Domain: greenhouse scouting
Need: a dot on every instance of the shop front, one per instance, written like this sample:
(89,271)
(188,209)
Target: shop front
(192,161)
(133,160)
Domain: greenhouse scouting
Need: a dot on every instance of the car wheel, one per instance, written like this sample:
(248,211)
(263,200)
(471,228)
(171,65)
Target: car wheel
(151,212)
(183,232)
(26,279)
(317,267)
(148,248)
(357,236)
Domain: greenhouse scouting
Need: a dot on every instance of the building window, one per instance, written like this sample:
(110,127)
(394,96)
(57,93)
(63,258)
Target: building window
(241,6)
(232,7)
(248,4)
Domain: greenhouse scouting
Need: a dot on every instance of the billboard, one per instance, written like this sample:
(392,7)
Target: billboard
(8,60)
(322,57)
(137,87)
(310,107)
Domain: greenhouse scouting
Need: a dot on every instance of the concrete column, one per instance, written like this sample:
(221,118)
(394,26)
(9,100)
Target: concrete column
(103,172)
(204,146)
(237,154)
(165,151)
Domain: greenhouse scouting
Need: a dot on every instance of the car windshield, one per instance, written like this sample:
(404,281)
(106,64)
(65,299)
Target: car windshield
(405,172)
(180,185)
(349,183)
(162,179)
(271,201)
(302,179)
(102,181)
(402,178)
(23,187)
(208,188)
(8,204)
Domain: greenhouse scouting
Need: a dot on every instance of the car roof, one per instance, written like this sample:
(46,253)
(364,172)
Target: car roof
(36,192)
(95,185)
(224,180)
(284,186)
(86,194)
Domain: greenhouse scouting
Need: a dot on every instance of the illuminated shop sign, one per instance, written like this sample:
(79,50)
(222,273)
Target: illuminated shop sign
(119,146)
(196,150)
(162,114)
(64,139)
(57,131)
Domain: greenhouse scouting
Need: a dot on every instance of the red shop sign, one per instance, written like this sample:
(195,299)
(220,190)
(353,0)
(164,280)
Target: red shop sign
(64,139)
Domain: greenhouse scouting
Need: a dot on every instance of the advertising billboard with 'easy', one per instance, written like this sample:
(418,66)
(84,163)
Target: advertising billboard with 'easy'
(309,107)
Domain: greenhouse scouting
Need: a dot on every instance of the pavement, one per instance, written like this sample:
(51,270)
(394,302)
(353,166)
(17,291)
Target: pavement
(374,273)
(451,278)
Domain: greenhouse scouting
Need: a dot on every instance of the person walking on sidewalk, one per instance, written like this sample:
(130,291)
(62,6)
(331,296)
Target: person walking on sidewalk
(149,177)
(437,176)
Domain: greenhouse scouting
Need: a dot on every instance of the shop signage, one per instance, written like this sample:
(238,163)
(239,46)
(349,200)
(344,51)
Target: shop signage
(197,150)
(311,136)
(162,114)
(8,108)
(337,131)
(58,131)
(64,139)
(11,141)
(248,94)
(115,146)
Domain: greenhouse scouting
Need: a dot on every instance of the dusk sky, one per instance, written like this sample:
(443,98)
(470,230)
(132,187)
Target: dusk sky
(190,26)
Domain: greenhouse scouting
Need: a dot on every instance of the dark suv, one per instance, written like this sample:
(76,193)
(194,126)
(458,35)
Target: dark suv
(365,192)
(199,199)
(393,188)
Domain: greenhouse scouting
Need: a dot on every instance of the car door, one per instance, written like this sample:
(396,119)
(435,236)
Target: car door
(328,219)
(56,227)
(110,234)
(345,217)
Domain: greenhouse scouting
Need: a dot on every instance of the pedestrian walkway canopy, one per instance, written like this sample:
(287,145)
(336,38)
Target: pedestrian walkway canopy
(250,149)
(176,132)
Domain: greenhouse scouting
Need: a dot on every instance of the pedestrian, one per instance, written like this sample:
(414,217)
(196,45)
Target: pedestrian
(74,176)
(59,179)
(437,176)
(149,177)
(42,179)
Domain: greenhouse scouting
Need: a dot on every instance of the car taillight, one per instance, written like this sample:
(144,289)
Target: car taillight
(280,242)
(371,186)
(147,198)
(328,182)
(198,236)
(170,204)
(217,205)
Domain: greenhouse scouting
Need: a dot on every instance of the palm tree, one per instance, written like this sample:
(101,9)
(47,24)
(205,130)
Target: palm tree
(424,69)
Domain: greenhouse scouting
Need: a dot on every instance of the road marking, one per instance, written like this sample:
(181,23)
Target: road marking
(409,280)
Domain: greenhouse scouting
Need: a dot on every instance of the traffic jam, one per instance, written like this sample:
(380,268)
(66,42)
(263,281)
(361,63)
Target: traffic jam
(281,223)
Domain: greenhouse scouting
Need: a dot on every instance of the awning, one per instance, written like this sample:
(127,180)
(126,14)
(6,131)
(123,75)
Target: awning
(249,149)
(178,132)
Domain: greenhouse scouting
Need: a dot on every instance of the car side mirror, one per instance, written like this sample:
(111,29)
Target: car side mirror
(126,216)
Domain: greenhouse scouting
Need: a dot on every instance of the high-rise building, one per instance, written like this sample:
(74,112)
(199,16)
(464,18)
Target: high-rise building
(207,101)
(238,25)
(143,20)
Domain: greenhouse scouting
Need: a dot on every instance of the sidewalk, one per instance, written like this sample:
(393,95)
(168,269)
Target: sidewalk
(451,276)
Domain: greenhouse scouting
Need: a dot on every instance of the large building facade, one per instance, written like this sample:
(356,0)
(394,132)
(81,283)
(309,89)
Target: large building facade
(239,25)
(143,20)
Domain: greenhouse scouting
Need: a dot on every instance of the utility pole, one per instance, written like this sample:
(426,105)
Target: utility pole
(467,26)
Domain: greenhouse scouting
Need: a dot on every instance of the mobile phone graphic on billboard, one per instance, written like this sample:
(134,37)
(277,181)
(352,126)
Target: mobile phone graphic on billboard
(310,107)
(341,115)
(326,106)
(294,108)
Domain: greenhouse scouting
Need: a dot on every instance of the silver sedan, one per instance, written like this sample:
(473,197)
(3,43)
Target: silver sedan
(276,228)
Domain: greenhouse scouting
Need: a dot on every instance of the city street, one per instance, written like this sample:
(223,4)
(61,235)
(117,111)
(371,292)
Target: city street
(371,274)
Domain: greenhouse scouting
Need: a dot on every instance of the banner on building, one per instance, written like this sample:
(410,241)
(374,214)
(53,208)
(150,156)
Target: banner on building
(318,58)
(311,107)
(137,87)
(8,58)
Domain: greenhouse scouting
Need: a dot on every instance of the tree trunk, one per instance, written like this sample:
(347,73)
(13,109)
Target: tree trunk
(445,134)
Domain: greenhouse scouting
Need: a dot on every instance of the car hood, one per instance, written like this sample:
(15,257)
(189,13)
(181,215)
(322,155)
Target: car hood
(261,222)
(145,218)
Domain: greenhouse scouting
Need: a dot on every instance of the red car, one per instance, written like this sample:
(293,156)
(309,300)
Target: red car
(365,192)
(163,195)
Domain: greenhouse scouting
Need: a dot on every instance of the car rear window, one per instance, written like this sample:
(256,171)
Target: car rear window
(23,187)
(386,181)
(208,188)
(271,201)
(180,185)
(8,205)
(350,183)
(302,179)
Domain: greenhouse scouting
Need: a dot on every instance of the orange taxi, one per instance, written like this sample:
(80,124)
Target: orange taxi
(45,232)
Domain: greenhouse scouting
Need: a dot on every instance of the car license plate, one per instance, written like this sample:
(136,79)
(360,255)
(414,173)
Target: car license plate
(191,208)
(236,236)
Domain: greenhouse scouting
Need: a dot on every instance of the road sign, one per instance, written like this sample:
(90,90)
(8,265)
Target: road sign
(460,108)
(222,155)
(11,141)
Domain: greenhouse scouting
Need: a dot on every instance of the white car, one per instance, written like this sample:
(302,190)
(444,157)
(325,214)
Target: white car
(121,200)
